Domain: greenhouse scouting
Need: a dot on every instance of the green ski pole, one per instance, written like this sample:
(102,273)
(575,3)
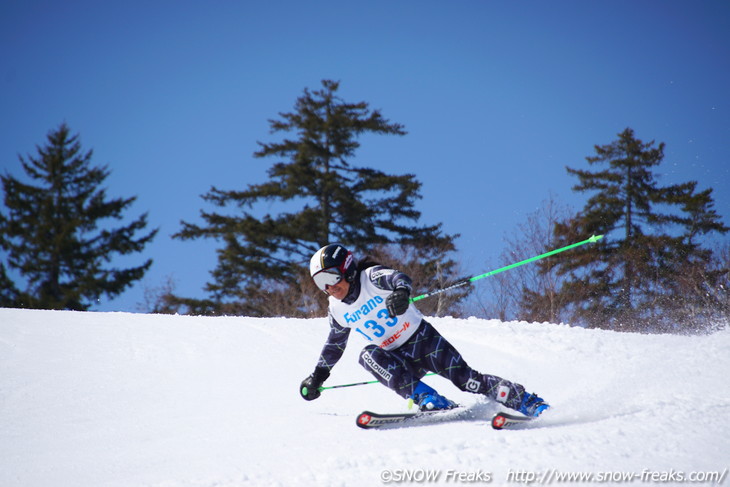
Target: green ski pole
(322,388)
(469,280)
(464,282)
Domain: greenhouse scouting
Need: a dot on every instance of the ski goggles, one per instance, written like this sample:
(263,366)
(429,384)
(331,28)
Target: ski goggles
(327,277)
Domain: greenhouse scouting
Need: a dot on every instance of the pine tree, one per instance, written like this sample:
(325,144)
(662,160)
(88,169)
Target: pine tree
(9,294)
(324,198)
(53,232)
(631,279)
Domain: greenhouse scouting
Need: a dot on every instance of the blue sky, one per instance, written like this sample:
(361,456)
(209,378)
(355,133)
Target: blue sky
(497,98)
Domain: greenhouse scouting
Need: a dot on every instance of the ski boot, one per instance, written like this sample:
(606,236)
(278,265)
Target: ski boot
(430,400)
(532,405)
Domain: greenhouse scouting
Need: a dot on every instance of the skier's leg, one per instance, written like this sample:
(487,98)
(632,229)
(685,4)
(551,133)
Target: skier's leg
(445,360)
(390,369)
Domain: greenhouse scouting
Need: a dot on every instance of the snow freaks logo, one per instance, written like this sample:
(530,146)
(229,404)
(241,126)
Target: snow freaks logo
(375,366)
(422,476)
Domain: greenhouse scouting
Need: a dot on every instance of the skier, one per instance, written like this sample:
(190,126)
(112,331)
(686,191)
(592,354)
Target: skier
(374,300)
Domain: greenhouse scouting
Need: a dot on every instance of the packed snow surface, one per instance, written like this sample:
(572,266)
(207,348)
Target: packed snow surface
(120,399)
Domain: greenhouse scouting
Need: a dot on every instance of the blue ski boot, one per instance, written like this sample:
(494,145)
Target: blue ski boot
(430,400)
(532,405)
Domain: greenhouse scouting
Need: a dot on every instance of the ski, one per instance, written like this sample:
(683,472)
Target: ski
(371,420)
(506,420)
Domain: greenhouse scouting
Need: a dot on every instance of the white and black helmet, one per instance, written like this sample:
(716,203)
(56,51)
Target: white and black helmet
(331,264)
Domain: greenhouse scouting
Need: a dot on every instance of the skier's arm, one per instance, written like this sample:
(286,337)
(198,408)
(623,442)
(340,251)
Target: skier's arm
(334,347)
(331,354)
(392,280)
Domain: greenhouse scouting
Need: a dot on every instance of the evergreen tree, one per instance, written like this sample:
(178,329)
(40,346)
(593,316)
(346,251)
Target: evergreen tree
(327,198)
(9,294)
(51,231)
(632,278)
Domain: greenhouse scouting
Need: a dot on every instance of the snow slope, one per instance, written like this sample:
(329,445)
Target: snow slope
(119,399)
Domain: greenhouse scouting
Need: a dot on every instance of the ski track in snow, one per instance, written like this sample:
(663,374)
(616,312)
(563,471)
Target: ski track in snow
(121,399)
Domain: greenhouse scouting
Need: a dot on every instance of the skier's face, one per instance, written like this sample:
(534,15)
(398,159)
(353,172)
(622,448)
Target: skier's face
(339,290)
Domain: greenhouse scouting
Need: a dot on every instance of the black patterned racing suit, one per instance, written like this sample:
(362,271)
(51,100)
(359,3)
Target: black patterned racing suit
(400,369)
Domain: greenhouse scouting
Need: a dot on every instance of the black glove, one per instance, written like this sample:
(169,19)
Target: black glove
(398,301)
(309,388)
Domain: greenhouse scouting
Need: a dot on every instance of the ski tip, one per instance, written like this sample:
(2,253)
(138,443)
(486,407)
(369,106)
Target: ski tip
(363,419)
(505,420)
(498,421)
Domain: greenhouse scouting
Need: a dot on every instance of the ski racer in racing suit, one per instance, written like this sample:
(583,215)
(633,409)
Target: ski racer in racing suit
(374,301)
